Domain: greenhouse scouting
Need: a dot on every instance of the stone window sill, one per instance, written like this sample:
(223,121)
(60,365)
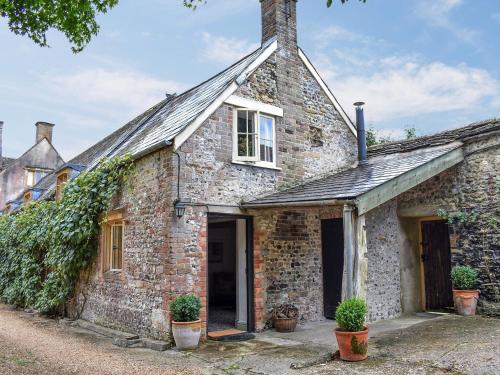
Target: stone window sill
(113,274)
(256,164)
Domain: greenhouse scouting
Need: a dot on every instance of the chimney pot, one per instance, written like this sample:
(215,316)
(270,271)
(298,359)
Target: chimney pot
(360,126)
(44,130)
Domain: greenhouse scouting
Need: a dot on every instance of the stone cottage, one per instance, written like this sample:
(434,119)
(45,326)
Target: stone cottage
(253,189)
(18,176)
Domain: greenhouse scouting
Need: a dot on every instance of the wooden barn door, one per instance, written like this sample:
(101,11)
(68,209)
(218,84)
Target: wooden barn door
(332,238)
(436,258)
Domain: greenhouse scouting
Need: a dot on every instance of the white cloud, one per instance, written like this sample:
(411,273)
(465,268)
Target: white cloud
(127,91)
(225,50)
(438,14)
(403,88)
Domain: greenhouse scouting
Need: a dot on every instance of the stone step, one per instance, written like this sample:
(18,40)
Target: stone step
(123,339)
(108,332)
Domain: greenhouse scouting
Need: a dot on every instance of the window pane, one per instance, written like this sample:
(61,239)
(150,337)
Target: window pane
(242,121)
(251,145)
(39,175)
(266,139)
(242,145)
(251,122)
(30,178)
(116,250)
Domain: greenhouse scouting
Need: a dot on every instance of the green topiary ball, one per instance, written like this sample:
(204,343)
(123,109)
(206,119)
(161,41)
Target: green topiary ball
(185,308)
(464,277)
(350,315)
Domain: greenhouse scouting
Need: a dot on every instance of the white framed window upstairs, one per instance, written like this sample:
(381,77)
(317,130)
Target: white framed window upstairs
(254,136)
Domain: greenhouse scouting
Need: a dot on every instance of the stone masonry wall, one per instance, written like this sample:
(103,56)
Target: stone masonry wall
(136,298)
(312,140)
(288,261)
(473,188)
(383,236)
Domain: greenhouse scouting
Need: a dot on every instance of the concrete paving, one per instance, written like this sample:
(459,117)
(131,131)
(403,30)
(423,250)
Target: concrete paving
(272,352)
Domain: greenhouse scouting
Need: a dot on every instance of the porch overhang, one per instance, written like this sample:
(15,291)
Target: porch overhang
(368,185)
(307,203)
(392,188)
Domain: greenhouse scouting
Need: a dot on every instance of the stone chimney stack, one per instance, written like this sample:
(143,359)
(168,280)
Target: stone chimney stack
(44,130)
(279,19)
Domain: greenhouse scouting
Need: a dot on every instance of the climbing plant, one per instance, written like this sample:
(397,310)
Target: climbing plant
(45,245)
(461,217)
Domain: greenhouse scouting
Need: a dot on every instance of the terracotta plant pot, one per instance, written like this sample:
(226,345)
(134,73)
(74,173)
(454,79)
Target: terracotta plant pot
(465,301)
(285,325)
(186,334)
(353,346)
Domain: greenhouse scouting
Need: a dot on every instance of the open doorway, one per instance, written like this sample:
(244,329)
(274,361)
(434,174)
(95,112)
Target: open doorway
(332,240)
(436,261)
(228,275)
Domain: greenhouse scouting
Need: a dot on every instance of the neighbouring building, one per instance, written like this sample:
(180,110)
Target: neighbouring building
(18,176)
(253,189)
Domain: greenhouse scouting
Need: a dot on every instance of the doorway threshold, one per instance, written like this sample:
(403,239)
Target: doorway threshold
(230,335)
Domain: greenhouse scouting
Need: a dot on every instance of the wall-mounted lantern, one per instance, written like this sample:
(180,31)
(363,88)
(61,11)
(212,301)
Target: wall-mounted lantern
(180,208)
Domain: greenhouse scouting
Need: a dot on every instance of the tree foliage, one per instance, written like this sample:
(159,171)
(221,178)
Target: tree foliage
(75,19)
(45,245)
(374,138)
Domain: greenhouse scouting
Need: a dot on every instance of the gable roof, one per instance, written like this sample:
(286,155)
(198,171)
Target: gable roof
(186,112)
(159,125)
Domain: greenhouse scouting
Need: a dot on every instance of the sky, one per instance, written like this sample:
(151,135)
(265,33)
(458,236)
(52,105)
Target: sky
(428,64)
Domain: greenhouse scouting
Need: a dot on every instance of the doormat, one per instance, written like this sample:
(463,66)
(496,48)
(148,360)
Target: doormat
(230,335)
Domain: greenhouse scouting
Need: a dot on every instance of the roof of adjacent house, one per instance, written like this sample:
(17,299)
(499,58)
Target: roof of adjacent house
(6,162)
(354,182)
(437,139)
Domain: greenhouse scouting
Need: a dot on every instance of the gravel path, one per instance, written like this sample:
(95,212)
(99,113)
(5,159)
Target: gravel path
(31,345)
(446,345)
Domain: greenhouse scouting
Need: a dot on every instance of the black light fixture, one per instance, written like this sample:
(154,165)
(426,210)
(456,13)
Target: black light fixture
(180,208)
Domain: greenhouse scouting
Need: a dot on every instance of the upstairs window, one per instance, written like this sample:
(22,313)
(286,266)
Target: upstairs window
(28,197)
(33,176)
(254,138)
(62,179)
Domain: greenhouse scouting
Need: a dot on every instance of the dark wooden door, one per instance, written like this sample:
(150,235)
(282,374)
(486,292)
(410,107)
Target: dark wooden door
(437,264)
(332,239)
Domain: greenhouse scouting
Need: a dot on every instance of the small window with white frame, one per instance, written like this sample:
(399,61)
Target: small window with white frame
(254,137)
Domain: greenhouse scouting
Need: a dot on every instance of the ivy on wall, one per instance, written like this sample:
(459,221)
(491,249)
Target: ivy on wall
(45,245)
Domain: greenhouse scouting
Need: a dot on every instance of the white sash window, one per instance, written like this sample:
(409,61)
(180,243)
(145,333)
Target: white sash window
(254,137)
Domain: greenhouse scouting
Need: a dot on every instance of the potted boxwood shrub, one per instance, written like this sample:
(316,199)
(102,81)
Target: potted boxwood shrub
(352,334)
(285,318)
(465,297)
(186,323)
